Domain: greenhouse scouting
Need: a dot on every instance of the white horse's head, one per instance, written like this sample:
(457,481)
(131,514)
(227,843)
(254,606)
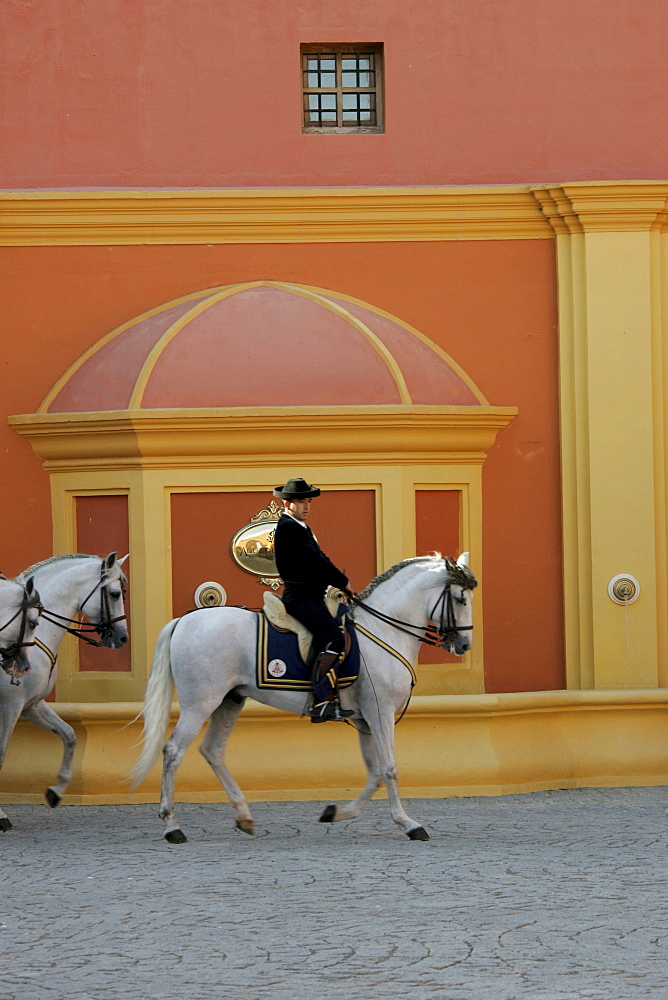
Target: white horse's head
(19,611)
(104,607)
(456,609)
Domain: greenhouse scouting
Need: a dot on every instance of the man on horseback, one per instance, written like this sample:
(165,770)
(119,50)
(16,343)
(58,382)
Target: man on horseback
(306,573)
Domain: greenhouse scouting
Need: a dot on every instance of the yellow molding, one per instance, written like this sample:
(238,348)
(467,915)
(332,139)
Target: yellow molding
(609,207)
(455,745)
(252,435)
(281,215)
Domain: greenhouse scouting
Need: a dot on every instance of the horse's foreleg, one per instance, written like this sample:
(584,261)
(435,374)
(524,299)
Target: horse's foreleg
(382,730)
(44,717)
(9,714)
(333,813)
(212,749)
(173,752)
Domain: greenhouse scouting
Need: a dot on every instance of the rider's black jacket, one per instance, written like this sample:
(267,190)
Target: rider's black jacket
(302,565)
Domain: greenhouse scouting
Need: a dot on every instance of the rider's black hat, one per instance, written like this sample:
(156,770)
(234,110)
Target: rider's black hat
(296,489)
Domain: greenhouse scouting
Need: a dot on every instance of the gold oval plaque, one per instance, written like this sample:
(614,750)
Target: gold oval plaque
(252,547)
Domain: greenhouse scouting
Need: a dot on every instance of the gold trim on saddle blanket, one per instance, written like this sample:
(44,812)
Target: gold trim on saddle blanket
(267,680)
(384,645)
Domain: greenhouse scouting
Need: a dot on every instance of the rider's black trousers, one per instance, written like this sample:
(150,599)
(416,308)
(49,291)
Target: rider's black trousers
(311,612)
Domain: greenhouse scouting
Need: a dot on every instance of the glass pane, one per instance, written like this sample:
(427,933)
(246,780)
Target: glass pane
(350,100)
(328,101)
(329,116)
(365,100)
(364,80)
(313,63)
(350,116)
(364,62)
(365,116)
(313,79)
(350,80)
(327,64)
(313,100)
(349,64)
(328,79)
(314,116)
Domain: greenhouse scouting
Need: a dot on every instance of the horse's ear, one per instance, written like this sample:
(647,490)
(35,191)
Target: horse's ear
(110,560)
(121,561)
(463,559)
(31,591)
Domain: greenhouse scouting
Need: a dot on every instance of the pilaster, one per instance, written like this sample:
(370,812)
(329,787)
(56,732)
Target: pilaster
(611,270)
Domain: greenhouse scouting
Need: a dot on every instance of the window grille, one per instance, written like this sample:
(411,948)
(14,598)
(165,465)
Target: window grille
(341,87)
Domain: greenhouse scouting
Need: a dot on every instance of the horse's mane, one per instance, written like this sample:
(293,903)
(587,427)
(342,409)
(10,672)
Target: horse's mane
(389,573)
(54,559)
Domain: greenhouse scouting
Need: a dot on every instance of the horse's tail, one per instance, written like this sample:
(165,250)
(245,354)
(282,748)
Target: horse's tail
(157,704)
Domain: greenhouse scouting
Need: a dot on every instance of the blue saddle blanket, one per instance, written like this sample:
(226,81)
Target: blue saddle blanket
(279,663)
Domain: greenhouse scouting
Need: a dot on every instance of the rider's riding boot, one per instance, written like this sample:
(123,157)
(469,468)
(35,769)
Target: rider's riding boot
(329,711)
(327,707)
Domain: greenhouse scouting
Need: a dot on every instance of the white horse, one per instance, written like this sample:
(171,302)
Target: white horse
(68,584)
(210,656)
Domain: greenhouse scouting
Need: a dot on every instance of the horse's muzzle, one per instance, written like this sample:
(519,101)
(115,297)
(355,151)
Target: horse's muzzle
(115,637)
(15,664)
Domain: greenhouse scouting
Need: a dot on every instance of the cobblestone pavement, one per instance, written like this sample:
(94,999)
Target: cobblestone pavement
(552,896)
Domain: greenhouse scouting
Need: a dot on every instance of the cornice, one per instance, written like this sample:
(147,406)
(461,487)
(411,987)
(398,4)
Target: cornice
(242,437)
(277,215)
(622,207)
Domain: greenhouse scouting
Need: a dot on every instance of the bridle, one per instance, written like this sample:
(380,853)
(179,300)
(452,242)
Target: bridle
(9,654)
(441,634)
(84,630)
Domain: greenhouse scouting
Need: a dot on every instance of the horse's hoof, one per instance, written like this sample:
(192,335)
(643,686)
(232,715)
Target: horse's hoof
(5,825)
(246,826)
(328,814)
(176,837)
(419,833)
(52,797)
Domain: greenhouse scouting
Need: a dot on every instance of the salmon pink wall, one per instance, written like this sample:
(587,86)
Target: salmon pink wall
(103,527)
(203,525)
(491,305)
(165,93)
(437,515)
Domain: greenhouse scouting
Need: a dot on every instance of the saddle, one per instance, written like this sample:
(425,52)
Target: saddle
(276,614)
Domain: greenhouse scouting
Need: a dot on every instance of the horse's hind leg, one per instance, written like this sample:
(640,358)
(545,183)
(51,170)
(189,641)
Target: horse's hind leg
(212,749)
(44,717)
(185,731)
(333,813)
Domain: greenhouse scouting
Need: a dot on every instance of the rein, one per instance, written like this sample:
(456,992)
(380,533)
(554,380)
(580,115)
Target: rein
(83,629)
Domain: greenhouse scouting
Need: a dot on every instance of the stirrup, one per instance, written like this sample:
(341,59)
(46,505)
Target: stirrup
(329,711)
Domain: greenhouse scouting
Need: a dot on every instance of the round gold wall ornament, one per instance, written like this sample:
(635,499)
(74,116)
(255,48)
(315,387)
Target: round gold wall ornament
(252,547)
(624,589)
(210,595)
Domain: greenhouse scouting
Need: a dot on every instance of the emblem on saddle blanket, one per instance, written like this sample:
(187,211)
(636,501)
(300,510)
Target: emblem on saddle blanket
(280,663)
